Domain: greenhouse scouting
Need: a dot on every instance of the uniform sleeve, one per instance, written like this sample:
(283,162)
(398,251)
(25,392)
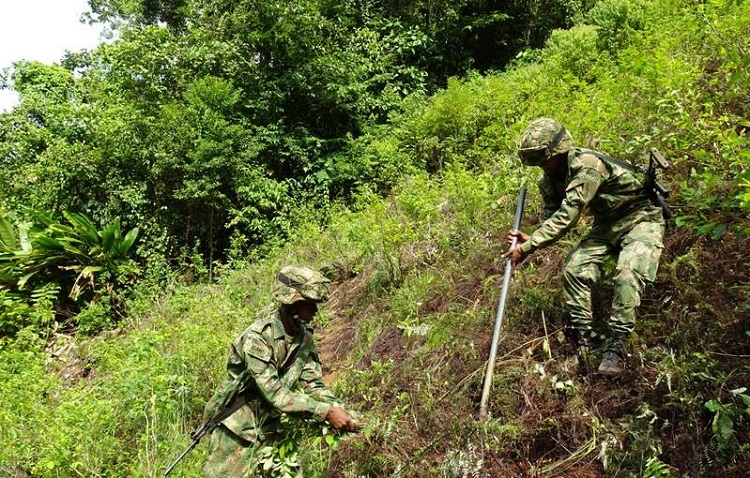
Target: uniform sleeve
(261,365)
(312,380)
(579,192)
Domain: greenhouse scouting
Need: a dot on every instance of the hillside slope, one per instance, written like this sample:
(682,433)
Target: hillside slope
(405,337)
(419,386)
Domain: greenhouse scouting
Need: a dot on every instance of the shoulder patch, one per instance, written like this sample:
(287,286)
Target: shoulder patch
(256,347)
(587,155)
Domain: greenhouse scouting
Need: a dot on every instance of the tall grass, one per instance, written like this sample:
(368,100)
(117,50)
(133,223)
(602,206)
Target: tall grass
(427,259)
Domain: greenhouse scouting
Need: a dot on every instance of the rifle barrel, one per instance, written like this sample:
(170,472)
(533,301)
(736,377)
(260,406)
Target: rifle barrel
(666,211)
(192,445)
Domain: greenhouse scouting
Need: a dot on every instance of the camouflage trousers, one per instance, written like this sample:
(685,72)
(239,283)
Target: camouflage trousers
(233,457)
(637,253)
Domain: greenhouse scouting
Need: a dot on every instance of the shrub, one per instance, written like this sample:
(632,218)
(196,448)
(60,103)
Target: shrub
(617,21)
(575,51)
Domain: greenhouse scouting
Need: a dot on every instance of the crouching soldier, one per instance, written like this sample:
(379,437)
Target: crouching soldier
(274,365)
(626,225)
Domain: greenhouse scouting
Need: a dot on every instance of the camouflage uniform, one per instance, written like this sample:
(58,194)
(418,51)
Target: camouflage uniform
(271,365)
(626,224)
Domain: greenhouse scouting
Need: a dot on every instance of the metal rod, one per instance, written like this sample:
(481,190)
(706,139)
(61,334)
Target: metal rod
(501,309)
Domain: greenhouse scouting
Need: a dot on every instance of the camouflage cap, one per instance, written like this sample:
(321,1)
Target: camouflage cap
(298,283)
(543,139)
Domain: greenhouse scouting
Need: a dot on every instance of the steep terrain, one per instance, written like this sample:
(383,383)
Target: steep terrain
(406,335)
(547,418)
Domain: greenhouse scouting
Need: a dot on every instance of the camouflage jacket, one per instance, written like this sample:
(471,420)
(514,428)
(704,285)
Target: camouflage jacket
(612,193)
(281,374)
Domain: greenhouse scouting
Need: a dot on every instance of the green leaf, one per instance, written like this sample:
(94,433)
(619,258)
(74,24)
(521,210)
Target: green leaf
(706,228)
(713,405)
(718,231)
(110,234)
(72,250)
(23,237)
(49,243)
(6,278)
(8,238)
(128,241)
(24,279)
(83,226)
(89,270)
(723,426)
(746,400)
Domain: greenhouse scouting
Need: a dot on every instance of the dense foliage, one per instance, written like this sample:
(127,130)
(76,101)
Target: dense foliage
(208,123)
(48,265)
(355,133)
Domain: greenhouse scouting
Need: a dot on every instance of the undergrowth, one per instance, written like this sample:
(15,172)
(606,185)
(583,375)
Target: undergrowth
(404,338)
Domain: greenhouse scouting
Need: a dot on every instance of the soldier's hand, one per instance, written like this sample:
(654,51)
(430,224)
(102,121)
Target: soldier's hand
(515,253)
(339,419)
(519,236)
(516,256)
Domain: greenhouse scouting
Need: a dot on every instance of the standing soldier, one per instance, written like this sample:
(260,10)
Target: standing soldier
(275,364)
(626,225)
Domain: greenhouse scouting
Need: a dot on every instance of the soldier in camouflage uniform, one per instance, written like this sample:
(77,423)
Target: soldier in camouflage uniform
(626,225)
(275,364)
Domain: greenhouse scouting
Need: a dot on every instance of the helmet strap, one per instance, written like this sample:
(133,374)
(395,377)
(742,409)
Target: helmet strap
(555,141)
(289,282)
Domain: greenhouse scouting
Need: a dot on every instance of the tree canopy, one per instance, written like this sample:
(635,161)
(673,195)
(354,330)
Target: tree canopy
(209,121)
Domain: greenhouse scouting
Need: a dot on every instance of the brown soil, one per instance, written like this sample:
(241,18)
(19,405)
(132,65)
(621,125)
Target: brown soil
(695,304)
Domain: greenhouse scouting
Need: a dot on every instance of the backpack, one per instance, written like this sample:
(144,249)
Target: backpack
(651,186)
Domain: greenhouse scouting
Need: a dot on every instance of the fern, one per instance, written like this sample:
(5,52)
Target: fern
(656,468)
(45,293)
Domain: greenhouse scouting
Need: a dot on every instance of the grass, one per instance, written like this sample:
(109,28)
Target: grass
(405,336)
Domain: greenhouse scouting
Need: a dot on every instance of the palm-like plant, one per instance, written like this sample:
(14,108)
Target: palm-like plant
(88,252)
(77,257)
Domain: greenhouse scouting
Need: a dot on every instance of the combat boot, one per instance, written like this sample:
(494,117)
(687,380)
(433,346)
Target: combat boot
(612,357)
(581,340)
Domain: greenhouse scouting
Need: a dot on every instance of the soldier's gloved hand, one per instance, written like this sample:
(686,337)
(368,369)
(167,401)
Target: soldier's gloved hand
(339,419)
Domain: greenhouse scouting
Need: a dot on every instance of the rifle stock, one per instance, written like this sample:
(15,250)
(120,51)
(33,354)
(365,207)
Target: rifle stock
(659,158)
(655,189)
(208,426)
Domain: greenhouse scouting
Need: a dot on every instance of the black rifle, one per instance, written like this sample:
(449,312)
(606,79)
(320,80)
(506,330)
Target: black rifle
(653,188)
(208,426)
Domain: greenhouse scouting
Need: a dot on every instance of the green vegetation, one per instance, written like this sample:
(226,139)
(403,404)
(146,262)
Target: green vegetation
(231,141)
(55,267)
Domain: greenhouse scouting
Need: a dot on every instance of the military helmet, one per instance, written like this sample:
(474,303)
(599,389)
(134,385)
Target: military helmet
(543,139)
(296,283)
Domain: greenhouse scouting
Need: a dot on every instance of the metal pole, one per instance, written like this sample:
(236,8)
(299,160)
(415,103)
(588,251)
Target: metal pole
(501,310)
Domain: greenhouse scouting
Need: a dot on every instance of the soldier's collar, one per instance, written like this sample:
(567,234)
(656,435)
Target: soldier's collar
(278,326)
